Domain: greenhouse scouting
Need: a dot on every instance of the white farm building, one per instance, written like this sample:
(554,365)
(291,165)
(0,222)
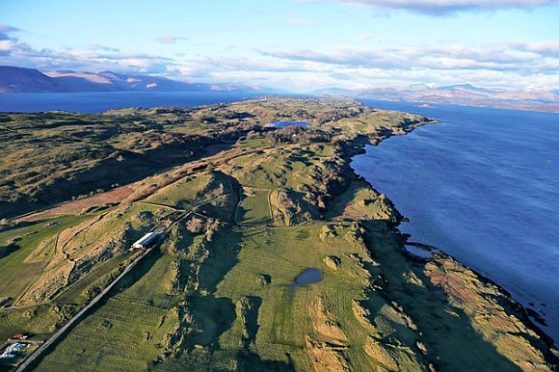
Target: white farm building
(147,240)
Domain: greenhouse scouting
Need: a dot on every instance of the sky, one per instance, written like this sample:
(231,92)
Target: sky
(295,45)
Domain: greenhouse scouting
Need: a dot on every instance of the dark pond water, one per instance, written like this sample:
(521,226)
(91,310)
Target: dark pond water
(308,276)
(283,124)
(483,186)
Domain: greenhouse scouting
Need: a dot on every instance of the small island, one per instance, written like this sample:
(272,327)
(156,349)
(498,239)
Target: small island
(241,208)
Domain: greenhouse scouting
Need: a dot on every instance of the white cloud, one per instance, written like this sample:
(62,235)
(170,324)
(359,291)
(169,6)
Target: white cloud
(442,7)
(170,39)
(514,57)
(515,64)
(6,46)
(6,29)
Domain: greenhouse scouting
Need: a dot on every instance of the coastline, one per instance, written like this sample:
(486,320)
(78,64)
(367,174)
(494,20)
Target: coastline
(357,147)
(405,312)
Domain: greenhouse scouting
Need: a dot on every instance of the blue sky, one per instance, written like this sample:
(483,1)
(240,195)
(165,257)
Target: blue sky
(298,45)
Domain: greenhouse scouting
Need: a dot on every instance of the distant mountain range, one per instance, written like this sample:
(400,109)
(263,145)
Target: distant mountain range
(25,80)
(462,94)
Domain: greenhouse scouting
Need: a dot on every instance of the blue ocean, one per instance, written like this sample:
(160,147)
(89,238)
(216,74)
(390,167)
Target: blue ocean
(98,102)
(483,186)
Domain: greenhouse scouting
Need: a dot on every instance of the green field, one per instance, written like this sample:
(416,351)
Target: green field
(15,273)
(255,209)
(126,329)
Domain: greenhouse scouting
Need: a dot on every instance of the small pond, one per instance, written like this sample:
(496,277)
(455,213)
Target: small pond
(283,124)
(308,276)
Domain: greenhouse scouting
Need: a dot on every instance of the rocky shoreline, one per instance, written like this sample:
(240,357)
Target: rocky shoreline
(513,307)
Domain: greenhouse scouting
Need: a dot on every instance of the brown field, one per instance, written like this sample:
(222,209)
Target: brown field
(113,196)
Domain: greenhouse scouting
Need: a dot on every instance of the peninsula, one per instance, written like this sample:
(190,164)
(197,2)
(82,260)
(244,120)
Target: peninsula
(266,252)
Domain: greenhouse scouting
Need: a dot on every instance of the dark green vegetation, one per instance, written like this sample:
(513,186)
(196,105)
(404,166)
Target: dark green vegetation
(218,293)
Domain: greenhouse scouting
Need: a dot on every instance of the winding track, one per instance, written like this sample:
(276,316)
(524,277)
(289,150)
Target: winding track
(33,357)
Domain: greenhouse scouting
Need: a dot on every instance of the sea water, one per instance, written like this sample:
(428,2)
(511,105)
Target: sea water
(483,186)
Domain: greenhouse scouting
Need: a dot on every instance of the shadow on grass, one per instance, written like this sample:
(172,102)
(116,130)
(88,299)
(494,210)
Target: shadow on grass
(452,342)
(336,206)
(213,316)
(251,307)
(223,251)
(8,249)
(249,362)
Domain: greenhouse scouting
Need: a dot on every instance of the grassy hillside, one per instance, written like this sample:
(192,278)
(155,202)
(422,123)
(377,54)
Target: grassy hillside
(219,293)
(52,157)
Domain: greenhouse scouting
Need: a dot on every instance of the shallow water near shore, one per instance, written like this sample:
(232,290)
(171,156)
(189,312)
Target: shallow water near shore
(483,186)
(418,252)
